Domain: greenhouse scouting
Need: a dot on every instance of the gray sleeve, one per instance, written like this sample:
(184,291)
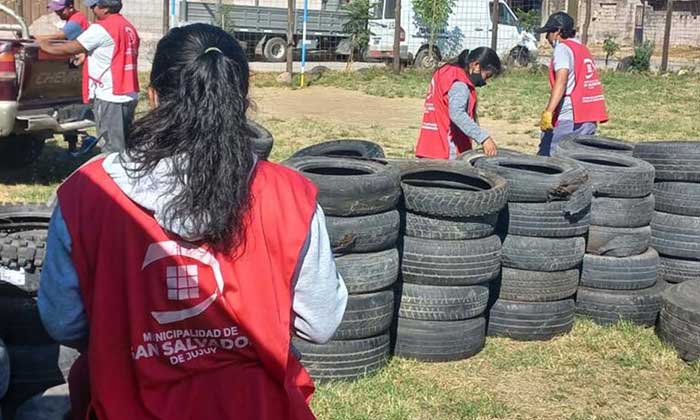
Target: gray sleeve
(458,100)
(563,58)
(320,295)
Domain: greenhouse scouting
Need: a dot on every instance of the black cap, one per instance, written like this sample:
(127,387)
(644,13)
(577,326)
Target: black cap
(557,21)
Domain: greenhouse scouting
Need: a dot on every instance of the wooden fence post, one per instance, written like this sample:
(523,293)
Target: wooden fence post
(397,37)
(667,36)
(587,22)
(494,21)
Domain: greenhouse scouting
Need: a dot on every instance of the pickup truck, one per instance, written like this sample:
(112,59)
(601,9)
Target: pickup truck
(40,96)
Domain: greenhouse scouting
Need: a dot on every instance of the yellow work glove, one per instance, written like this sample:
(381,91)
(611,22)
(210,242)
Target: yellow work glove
(546,121)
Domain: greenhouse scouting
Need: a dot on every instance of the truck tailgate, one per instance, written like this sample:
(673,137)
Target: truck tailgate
(47,79)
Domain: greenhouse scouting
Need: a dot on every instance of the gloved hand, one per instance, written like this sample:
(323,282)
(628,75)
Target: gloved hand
(546,121)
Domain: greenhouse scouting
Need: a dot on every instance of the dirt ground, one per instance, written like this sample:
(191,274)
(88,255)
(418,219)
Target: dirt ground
(358,110)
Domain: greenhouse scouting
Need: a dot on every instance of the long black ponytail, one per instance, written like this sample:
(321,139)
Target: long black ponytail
(200,74)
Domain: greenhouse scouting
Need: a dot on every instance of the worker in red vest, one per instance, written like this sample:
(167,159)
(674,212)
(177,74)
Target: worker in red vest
(449,117)
(110,73)
(182,266)
(75,21)
(576,104)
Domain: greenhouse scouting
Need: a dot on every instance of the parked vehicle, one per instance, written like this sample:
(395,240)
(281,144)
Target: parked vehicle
(469,26)
(40,95)
(262,30)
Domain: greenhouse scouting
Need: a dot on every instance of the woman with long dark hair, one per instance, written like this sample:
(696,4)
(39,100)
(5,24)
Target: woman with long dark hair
(181,267)
(449,118)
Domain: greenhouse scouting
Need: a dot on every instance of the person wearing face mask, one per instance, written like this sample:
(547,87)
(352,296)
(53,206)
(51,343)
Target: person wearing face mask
(576,104)
(449,117)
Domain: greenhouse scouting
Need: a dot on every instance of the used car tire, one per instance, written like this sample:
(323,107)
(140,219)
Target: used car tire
(616,175)
(261,138)
(439,341)
(442,303)
(21,259)
(351,187)
(618,242)
(343,147)
(542,254)
(472,156)
(453,192)
(548,220)
(52,404)
(537,286)
(622,212)
(620,273)
(677,270)
(679,321)
(366,315)
(344,360)
(538,179)
(371,233)
(673,160)
(607,307)
(676,236)
(530,321)
(450,263)
(16,217)
(593,144)
(681,198)
(369,272)
(20,323)
(450,228)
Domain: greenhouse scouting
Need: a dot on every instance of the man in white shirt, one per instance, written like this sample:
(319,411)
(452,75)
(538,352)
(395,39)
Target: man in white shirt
(111,79)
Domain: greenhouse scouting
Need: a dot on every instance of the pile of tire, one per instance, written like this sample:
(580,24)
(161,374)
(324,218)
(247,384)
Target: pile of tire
(449,255)
(359,198)
(675,233)
(542,226)
(30,361)
(619,271)
(675,228)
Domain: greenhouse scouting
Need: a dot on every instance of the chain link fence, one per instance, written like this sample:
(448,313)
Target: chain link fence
(429,31)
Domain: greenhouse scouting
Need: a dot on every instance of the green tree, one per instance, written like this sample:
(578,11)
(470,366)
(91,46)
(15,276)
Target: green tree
(611,47)
(529,20)
(432,15)
(357,26)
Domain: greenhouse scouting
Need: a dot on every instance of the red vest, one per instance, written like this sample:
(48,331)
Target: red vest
(437,130)
(177,330)
(124,70)
(587,99)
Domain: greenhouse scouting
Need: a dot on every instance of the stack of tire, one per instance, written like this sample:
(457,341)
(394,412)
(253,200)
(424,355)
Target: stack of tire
(359,198)
(36,362)
(619,272)
(449,256)
(675,228)
(675,233)
(542,228)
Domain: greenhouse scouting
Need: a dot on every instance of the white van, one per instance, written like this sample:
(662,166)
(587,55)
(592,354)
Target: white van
(469,27)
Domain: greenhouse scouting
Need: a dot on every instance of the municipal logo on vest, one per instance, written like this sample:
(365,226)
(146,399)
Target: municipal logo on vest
(181,283)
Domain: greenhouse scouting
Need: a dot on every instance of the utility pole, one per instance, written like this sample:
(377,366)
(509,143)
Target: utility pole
(494,21)
(587,22)
(166,16)
(667,36)
(397,37)
(291,5)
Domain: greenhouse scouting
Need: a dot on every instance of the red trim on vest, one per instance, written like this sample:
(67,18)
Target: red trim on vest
(177,330)
(124,68)
(437,130)
(587,99)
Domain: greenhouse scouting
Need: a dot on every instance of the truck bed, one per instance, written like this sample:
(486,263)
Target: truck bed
(269,19)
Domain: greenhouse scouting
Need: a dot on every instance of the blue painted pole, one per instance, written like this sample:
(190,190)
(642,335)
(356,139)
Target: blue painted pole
(303,42)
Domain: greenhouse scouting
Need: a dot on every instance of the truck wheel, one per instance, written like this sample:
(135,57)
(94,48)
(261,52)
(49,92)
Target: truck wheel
(20,151)
(424,60)
(275,50)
